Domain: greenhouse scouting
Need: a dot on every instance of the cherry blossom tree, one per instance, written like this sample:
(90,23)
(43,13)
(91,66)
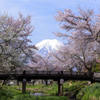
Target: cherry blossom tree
(41,64)
(62,60)
(85,26)
(77,56)
(15,50)
(85,55)
(83,36)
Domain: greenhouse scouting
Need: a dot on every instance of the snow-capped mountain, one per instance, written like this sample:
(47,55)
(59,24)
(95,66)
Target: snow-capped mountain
(48,45)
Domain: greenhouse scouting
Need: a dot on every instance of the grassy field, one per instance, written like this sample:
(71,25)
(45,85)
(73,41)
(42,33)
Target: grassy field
(12,93)
(80,89)
(68,90)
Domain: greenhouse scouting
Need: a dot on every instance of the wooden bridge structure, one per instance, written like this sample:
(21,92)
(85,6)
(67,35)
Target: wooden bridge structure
(55,75)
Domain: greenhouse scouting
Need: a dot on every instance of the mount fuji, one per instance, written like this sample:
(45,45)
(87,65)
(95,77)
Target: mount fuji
(48,45)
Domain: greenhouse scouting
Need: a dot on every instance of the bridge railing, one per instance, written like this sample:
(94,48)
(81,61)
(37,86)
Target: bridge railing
(31,72)
(56,72)
(45,72)
(13,72)
(17,72)
(74,73)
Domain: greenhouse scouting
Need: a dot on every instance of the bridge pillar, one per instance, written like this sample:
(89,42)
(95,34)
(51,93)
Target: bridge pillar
(24,82)
(60,88)
(24,85)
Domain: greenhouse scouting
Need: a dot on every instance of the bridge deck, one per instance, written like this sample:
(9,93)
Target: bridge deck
(56,75)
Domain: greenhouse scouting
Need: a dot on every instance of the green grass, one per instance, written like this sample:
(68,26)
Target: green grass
(7,92)
(53,90)
(30,97)
(73,89)
(91,92)
(84,92)
(12,93)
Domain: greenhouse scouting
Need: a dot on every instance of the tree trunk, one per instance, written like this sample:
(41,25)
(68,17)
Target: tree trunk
(46,82)
(4,82)
(51,82)
(42,82)
(89,72)
(17,83)
(33,82)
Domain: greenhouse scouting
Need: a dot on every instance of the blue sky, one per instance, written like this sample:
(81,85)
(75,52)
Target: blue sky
(42,12)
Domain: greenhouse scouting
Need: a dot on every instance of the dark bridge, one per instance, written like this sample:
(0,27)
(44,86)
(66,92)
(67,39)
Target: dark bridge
(55,75)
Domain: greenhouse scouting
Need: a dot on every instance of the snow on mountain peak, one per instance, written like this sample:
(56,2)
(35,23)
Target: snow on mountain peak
(48,45)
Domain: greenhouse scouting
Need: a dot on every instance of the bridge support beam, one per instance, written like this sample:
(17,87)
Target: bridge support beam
(60,88)
(24,85)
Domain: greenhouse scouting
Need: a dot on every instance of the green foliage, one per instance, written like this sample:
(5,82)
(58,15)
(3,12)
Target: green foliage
(30,97)
(91,92)
(96,68)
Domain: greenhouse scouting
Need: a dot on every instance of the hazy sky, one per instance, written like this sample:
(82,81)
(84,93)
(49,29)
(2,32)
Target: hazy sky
(42,12)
